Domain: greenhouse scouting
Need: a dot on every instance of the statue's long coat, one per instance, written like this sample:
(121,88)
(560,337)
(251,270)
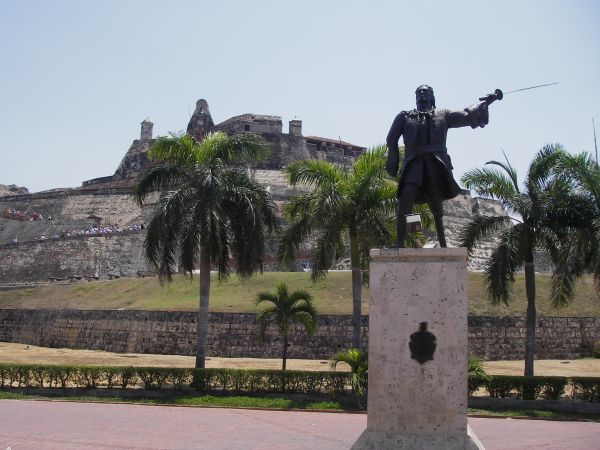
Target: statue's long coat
(406,124)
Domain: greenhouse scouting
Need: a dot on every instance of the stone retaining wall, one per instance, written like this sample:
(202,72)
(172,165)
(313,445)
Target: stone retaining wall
(83,256)
(234,335)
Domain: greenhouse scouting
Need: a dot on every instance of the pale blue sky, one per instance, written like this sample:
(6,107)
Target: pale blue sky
(77,77)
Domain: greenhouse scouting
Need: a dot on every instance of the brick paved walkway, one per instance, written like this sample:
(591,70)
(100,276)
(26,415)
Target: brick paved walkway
(36,425)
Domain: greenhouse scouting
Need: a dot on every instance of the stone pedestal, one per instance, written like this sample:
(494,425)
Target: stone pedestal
(417,404)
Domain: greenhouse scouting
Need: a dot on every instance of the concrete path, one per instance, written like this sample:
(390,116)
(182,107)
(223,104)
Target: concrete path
(36,425)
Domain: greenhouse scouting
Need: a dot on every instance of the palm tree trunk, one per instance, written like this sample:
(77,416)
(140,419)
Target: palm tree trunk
(356,290)
(284,352)
(531,317)
(202,330)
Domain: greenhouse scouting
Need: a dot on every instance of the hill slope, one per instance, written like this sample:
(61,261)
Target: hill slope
(332,295)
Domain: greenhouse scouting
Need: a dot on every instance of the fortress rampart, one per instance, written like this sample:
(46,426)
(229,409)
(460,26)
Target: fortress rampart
(33,260)
(98,256)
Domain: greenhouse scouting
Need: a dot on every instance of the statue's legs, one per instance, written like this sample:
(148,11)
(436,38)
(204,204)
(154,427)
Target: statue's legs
(437,209)
(406,200)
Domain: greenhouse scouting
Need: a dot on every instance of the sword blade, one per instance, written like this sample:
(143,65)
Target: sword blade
(530,87)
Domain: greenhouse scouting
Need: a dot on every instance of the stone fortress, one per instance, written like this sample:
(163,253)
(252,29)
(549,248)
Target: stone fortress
(107,201)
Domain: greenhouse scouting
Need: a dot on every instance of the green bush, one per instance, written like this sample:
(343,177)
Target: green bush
(61,375)
(501,386)
(3,375)
(586,388)
(89,377)
(553,387)
(208,380)
(596,350)
(127,376)
(526,388)
(334,384)
(474,382)
(180,377)
(153,377)
(475,367)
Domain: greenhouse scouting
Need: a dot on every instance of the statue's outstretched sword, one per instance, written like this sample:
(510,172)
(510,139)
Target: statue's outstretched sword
(499,95)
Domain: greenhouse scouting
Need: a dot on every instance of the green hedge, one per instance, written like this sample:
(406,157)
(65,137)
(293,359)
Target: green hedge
(586,388)
(208,380)
(527,388)
(239,381)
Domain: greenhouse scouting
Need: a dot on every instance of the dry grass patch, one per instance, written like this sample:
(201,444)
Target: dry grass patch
(332,295)
(30,354)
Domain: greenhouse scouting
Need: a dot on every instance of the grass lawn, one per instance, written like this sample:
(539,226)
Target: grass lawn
(332,295)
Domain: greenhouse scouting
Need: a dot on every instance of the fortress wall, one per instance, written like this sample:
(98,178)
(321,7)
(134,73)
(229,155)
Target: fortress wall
(72,212)
(115,206)
(234,335)
(275,182)
(73,208)
(84,256)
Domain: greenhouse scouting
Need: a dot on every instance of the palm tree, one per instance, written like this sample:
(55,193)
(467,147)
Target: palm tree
(213,212)
(578,213)
(357,203)
(359,366)
(525,229)
(284,308)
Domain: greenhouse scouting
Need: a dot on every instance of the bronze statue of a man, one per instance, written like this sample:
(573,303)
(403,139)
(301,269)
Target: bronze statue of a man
(426,175)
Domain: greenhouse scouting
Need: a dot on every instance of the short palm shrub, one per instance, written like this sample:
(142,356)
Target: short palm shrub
(283,308)
(476,374)
(359,367)
(475,367)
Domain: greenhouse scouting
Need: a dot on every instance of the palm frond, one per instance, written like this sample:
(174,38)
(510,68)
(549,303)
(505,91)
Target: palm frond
(165,176)
(232,148)
(314,173)
(325,251)
(356,359)
(291,239)
(368,170)
(491,183)
(540,169)
(510,171)
(300,295)
(161,242)
(499,273)
(376,197)
(479,228)
(307,315)
(266,296)
(190,240)
(178,149)
(582,171)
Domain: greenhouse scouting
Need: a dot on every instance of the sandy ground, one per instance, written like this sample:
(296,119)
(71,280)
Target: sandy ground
(21,353)
(587,367)
(30,354)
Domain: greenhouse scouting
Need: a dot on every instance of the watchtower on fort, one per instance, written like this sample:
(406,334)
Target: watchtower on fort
(146,131)
(201,121)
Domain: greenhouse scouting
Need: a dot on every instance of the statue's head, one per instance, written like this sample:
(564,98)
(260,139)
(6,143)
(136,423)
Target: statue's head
(425,98)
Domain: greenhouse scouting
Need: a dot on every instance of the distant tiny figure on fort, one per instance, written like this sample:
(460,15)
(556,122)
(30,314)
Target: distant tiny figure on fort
(426,175)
